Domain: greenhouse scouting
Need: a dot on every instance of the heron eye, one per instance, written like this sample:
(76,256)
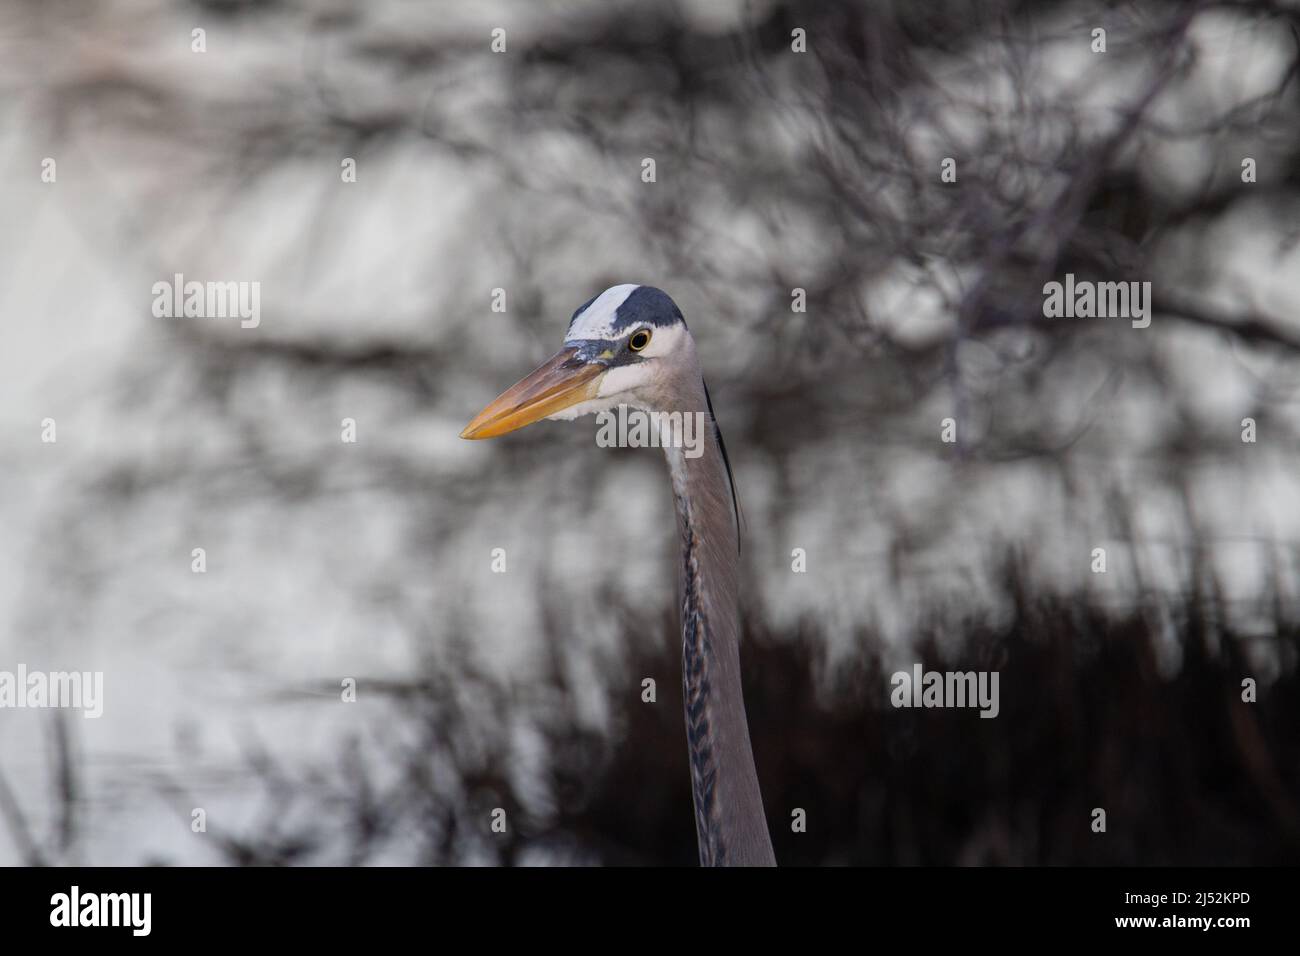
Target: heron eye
(639,340)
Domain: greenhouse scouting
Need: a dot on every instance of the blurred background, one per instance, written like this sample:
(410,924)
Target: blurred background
(776,170)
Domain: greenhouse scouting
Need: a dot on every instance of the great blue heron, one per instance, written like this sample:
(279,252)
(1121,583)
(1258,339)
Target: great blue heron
(630,346)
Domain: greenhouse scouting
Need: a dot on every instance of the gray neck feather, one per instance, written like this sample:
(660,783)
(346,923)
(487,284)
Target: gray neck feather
(729,819)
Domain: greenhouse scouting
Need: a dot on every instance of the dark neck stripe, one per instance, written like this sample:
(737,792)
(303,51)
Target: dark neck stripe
(696,695)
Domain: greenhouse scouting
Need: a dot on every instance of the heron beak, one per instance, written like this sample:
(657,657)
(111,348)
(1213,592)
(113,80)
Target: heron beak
(561,381)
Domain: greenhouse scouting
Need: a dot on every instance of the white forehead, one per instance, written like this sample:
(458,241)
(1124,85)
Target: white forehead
(597,321)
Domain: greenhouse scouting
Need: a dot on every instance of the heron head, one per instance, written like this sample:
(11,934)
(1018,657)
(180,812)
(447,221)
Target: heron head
(622,347)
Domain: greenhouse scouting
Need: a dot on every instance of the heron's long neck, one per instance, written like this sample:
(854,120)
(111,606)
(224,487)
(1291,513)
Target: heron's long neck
(729,819)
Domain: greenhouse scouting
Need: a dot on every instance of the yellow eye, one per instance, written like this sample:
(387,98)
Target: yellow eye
(639,340)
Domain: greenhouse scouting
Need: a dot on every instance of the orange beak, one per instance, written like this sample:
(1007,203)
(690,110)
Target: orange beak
(561,381)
